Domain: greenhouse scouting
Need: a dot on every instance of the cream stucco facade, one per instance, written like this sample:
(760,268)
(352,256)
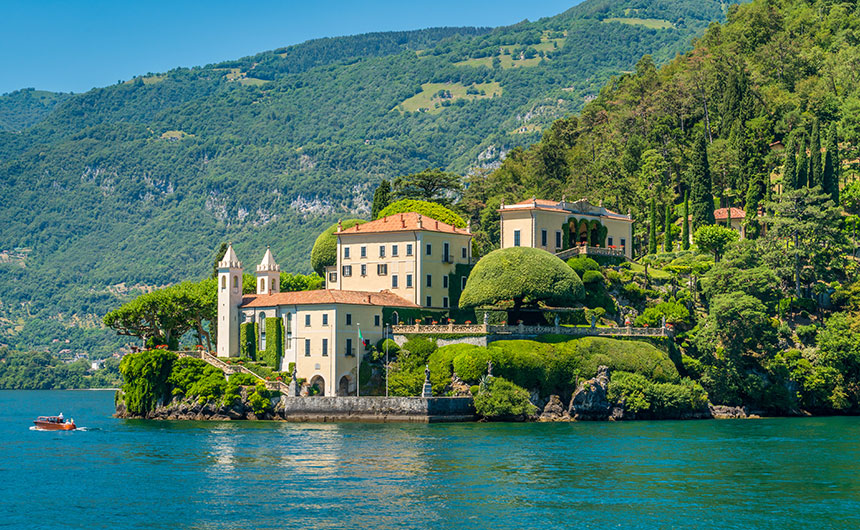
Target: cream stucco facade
(555,226)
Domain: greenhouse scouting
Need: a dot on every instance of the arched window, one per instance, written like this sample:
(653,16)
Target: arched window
(262,284)
(223,282)
(235,282)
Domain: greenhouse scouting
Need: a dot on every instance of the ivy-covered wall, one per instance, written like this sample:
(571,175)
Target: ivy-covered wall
(248,334)
(274,343)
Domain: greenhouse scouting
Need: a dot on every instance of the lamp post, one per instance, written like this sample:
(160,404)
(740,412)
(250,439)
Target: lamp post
(385,341)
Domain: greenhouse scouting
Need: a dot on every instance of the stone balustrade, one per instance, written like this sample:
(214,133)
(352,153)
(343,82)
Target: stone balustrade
(480,329)
(584,250)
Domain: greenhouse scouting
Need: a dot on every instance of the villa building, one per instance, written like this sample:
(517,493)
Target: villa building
(556,226)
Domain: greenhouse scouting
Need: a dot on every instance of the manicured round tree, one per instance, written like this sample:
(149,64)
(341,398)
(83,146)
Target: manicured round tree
(428,209)
(521,276)
(324,253)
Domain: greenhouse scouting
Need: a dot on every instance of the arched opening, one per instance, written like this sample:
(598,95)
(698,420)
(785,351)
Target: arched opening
(594,235)
(262,285)
(318,383)
(395,318)
(223,282)
(235,282)
(343,386)
(582,232)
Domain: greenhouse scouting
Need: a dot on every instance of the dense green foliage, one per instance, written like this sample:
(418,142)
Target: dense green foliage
(520,276)
(24,108)
(146,379)
(274,343)
(425,208)
(503,399)
(645,397)
(44,371)
(130,186)
(324,251)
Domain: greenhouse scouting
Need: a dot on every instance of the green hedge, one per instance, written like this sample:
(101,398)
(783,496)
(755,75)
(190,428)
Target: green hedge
(427,209)
(274,343)
(248,334)
(658,400)
(324,251)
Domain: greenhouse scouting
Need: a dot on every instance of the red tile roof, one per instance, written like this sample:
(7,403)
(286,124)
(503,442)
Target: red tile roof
(404,222)
(721,214)
(326,296)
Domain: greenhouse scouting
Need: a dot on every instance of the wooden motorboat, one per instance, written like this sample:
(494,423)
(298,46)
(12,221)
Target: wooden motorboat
(54,423)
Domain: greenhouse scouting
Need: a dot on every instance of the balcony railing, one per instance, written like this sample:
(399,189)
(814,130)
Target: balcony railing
(585,250)
(520,329)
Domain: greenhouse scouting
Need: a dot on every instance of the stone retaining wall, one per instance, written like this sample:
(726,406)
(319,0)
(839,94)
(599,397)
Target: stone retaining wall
(377,409)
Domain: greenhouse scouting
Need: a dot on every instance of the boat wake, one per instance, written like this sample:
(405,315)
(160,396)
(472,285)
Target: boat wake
(34,428)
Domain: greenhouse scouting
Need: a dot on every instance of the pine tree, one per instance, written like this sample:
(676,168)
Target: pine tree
(685,231)
(668,242)
(830,171)
(789,169)
(814,172)
(381,198)
(702,197)
(801,180)
(652,230)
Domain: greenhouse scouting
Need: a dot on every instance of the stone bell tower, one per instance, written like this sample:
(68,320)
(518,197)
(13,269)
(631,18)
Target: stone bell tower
(229,300)
(268,275)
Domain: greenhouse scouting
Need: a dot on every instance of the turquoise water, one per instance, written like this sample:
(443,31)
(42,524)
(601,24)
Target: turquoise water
(745,474)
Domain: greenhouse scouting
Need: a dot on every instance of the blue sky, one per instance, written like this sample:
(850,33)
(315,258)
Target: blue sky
(66,45)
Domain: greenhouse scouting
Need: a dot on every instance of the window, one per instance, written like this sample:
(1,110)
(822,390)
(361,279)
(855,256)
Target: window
(307,347)
(349,319)
(307,321)
(262,284)
(346,252)
(262,337)
(332,277)
(445,301)
(223,282)
(445,281)
(235,282)
(446,256)
(543,238)
(363,252)
(429,302)
(558,239)
(394,281)
(376,320)
(346,270)
(408,249)
(325,319)
(381,251)
(349,352)
(463,282)
(610,243)
(382,269)
(429,280)
(363,269)
(623,243)
(393,250)
(464,252)
(516,238)
(325,347)
(429,249)
(408,281)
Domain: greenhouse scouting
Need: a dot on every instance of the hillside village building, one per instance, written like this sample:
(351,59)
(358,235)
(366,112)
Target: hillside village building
(555,226)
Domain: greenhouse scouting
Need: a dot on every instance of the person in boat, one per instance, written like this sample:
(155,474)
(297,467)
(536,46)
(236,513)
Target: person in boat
(60,418)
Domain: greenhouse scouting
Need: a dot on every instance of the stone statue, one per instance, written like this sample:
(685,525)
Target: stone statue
(490,368)
(426,373)
(593,321)
(427,390)
(486,318)
(294,390)
(556,321)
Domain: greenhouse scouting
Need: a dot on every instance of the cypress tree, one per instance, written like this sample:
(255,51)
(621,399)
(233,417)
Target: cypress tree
(755,194)
(701,196)
(381,198)
(685,231)
(668,243)
(801,180)
(814,172)
(830,171)
(652,230)
(729,216)
(789,169)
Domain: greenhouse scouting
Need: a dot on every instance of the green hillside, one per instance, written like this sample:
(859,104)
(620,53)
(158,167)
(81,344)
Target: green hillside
(136,184)
(24,108)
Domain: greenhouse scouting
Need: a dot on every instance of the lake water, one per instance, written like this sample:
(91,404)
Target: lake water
(745,474)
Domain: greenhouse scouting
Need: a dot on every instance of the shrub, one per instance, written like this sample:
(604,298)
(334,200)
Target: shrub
(659,399)
(193,377)
(324,251)
(675,313)
(145,379)
(274,343)
(474,389)
(503,399)
(807,334)
(248,340)
(392,346)
(472,364)
(592,277)
(522,276)
(441,364)
(259,399)
(420,347)
(243,379)
(429,209)
(581,264)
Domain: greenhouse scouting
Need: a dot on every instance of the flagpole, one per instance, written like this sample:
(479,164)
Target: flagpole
(358,363)
(385,339)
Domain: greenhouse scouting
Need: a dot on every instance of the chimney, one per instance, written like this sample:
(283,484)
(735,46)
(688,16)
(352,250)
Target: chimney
(420,221)
(402,222)
(339,226)
(469,226)
(534,201)
(437,225)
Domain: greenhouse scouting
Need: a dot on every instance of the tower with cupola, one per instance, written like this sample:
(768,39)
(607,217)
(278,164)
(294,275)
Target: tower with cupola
(229,300)
(268,275)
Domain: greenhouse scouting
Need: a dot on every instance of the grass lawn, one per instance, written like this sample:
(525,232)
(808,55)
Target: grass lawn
(652,272)
(428,100)
(653,23)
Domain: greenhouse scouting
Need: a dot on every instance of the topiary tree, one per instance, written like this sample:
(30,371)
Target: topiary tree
(274,343)
(581,264)
(521,276)
(428,209)
(715,239)
(324,252)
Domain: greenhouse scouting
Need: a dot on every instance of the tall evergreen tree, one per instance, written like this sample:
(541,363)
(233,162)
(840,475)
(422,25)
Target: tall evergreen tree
(830,171)
(668,242)
(755,195)
(381,198)
(802,178)
(814,172)
(789,169)
(685,231)
(652,230)
(701,195)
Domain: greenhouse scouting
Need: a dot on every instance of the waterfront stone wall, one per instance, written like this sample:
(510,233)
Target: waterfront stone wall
(377,408)
(476,341)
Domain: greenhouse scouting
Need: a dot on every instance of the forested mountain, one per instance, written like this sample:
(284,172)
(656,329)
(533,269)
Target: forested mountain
(135,185)
(24,108)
